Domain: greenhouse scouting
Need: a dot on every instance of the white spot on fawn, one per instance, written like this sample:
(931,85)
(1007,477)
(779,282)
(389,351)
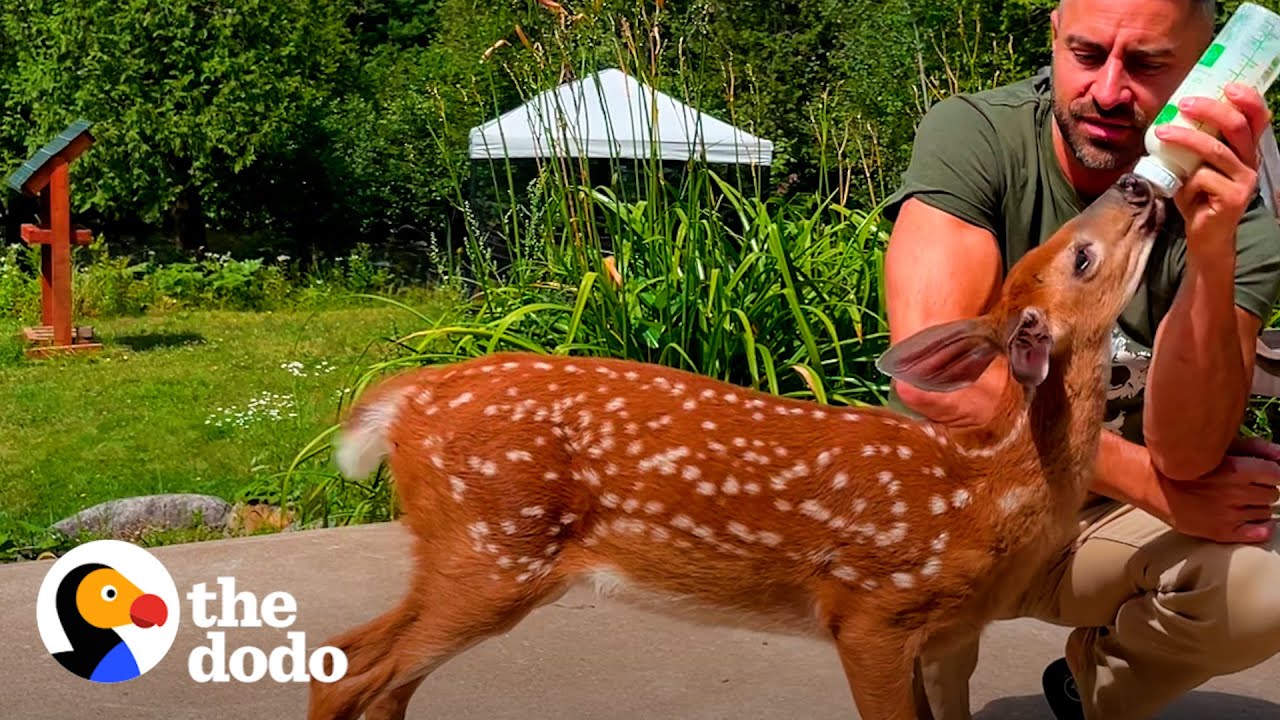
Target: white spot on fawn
(691,472)
(782,505)
(682,522)
(937,505)
(485,467)
(518,455)
(465,397)
(840,480)
(940,543)
(730,486)
(899,508)
(532,511)
(771,539)
(664,462)
(653,507)
(1014,498)
(904,452)
(960,498)
(892,537)
(815,510)
(708,425)
(903,580)
(845,573)
(458,486)
(931,567)
(706,488)
(615,404)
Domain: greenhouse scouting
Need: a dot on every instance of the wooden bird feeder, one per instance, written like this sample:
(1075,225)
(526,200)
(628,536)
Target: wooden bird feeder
(46,175)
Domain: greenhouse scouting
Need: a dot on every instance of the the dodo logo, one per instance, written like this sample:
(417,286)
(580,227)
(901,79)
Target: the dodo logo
(108,611)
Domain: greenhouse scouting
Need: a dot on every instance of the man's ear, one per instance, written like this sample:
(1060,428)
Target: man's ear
(944,357)
(1029,346)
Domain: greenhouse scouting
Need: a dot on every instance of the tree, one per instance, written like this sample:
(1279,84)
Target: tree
(183,94)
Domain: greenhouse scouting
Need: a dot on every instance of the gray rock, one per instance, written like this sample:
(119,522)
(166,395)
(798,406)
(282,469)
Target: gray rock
(118,518)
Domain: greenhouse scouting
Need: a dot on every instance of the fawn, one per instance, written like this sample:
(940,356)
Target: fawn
(520,474)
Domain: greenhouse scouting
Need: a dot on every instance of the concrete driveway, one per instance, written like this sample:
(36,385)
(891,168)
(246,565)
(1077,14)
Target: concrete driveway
(577,659)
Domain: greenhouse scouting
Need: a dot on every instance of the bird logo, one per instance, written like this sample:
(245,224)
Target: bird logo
(108,611)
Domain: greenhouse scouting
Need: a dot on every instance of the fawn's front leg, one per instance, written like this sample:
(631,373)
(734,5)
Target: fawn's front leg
(878,662)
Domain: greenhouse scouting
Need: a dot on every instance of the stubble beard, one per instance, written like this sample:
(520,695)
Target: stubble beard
(1091,153)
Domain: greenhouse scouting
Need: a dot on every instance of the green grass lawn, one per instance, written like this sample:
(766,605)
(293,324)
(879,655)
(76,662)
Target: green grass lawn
(199,402)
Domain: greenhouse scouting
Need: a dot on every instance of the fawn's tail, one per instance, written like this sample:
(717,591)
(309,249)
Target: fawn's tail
(363,441)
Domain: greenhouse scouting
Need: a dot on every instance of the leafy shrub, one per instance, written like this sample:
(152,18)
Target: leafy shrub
(20,283)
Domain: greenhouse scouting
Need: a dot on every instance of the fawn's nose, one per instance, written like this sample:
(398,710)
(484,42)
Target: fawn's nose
(1136,190)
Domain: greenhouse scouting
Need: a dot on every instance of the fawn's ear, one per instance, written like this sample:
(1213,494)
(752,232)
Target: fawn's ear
(1030,344)
(944,357)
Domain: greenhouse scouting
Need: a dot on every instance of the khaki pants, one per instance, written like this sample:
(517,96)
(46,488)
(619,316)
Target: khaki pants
(1156,614)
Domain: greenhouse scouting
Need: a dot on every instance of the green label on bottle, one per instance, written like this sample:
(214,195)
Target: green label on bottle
(1211,55)
(1166,114)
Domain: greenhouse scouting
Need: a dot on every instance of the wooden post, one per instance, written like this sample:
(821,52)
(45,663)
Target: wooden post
(46,269)
(48,175)
(60,222)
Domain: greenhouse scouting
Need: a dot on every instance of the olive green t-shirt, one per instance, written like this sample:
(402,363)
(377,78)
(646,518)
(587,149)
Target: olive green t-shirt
(988,159)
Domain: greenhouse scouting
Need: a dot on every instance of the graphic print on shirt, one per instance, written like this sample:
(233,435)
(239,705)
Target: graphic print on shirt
(1126,381)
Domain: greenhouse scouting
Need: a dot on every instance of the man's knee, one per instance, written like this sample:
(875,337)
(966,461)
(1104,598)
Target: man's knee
(1233,591)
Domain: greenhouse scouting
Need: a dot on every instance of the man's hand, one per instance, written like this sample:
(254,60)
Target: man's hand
(1215,196)
(1233,503)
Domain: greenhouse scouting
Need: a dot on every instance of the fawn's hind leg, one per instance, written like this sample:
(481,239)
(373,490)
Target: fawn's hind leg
(393,704)
(445,612)
(878,663)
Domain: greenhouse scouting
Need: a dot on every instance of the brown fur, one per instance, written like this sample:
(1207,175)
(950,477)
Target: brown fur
(727,523)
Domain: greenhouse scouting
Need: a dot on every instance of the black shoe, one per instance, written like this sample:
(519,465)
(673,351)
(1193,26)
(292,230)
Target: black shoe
(1060,690)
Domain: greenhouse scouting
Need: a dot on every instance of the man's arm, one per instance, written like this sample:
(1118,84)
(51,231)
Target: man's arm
(1204,349)
(939,268)
(1201,372)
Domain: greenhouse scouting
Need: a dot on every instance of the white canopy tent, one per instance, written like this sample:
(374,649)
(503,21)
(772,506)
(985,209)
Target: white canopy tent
(611,115)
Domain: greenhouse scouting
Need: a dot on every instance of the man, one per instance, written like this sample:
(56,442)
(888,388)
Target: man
(1175,576)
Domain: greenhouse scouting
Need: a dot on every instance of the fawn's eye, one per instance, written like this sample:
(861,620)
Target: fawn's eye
(1083,261)
(108,593)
